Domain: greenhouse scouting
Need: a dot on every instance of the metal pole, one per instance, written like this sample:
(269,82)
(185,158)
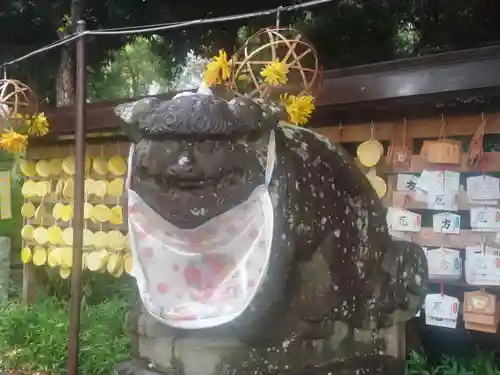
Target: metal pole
(78,221)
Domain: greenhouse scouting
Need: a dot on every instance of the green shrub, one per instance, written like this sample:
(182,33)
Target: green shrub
(34,338)
(96,287)
(417,364)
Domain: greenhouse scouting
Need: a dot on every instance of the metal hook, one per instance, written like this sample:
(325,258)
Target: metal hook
(482,116)
(278,16)
(372,130)
(278,13)
(405,129)
(4,72)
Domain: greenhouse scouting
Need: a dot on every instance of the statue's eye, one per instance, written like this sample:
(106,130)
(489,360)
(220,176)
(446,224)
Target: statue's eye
(254,136)
(160,179)
(142,172)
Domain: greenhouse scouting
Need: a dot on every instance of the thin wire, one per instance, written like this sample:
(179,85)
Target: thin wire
(43,49)
(167,26)
(141,26)
(202,21)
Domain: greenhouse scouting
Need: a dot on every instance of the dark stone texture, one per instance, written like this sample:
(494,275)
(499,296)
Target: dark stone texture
(135,367)
(336,281)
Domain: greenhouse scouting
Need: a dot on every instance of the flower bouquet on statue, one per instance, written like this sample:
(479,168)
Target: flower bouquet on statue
(282,70)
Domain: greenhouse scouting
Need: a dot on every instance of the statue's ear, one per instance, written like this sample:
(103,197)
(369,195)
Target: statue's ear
(132,113)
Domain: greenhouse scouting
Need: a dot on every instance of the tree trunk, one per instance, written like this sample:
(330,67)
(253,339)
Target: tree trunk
(65,87)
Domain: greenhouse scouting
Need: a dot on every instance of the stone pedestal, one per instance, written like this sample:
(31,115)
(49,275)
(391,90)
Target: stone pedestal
(5,248)
(162,350)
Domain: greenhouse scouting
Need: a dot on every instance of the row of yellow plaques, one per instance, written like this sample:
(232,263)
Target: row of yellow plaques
(54,235)
(66,188)
(95,261)
(116,165)
(99,213)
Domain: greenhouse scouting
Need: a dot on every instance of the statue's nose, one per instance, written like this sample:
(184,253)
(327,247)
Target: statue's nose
(185,166)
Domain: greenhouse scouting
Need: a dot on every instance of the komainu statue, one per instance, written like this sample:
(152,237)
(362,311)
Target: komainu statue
(259,246)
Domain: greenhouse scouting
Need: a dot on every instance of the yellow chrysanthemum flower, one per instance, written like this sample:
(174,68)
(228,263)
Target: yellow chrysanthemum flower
(217,70)
(299,108)
(275,73)
(224,64)
(39,125)
(13,142)
(211,75)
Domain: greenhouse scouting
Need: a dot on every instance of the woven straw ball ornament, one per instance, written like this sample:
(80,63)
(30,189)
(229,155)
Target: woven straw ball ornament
(16,98)
(288,51)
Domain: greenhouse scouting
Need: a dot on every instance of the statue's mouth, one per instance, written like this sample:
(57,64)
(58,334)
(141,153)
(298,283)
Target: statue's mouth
(198,182)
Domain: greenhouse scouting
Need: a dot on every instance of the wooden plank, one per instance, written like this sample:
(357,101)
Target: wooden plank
(463,284)
(405,199)
(416,62)
(93,150)
(422,81)
(467,237)
(391,190)
(357,132)
(100,116)
(418,164)
(53,199)
(30,284)
(416,128)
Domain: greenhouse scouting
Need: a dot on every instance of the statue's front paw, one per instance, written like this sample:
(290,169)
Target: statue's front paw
(406,264)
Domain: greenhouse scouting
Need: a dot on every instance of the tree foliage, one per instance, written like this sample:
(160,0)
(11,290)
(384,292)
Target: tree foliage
(132,71)
(345,32)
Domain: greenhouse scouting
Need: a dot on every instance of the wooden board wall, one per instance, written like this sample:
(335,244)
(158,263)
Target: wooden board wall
(416,128)
(416,131)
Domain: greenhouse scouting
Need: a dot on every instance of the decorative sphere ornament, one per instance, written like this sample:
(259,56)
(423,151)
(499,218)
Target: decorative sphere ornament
(275,61)
(17,98)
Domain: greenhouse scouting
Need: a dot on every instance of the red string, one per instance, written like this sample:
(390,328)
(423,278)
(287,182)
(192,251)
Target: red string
(442,289)
(407,201)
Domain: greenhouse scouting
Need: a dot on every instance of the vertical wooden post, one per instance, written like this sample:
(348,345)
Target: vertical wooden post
(397,346)
(30,283)
(78,220)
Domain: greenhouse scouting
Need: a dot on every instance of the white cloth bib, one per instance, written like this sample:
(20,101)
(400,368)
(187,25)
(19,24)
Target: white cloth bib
(206,276)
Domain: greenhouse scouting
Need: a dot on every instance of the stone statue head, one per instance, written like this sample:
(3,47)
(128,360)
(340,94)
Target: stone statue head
(196,156)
